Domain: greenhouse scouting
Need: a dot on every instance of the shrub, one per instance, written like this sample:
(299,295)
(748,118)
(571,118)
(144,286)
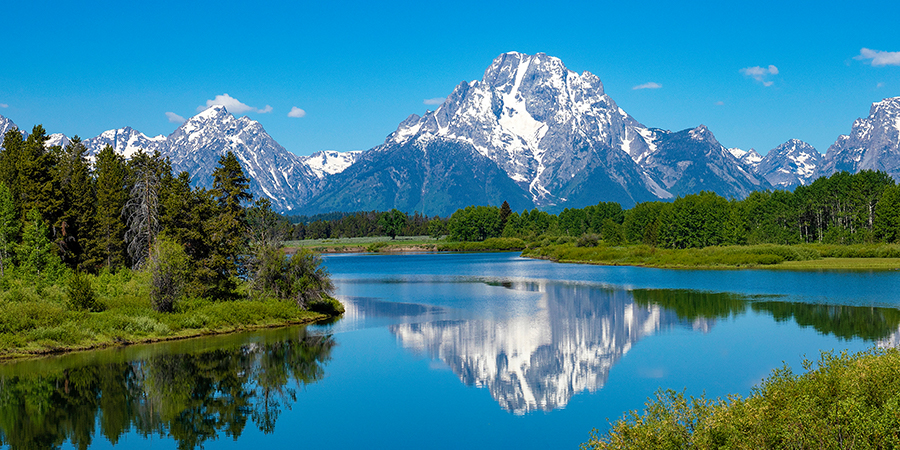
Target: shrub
(81,293)
(588,240)
(168,269)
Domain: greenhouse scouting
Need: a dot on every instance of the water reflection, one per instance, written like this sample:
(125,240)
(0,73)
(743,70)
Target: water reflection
(191,397)
(538,361)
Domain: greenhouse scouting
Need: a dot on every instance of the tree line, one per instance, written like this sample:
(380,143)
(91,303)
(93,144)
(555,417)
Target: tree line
(844,208)
(61,213)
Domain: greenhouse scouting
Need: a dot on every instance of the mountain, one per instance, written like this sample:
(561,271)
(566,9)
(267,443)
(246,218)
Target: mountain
(748,157)
(5,125)
(329,162)
(57,139)
(690,161)
(873,143)
(196,145)
(126,142)
(275,173)
(794,163)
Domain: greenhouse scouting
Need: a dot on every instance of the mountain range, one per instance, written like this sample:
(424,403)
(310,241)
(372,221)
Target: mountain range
(530,132)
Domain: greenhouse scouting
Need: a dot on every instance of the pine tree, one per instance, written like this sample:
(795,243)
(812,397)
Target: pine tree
(37,255)
(9,228)
(35,179)
(227,229)
(9,163)
(108,241)
(76,222)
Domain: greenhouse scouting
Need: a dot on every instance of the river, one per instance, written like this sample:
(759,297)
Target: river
(453,351)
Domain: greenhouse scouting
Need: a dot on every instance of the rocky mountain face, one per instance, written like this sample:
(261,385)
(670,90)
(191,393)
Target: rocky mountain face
(530,132)
(794,163)
(873,143)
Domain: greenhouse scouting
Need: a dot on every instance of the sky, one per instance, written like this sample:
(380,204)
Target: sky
(342,75)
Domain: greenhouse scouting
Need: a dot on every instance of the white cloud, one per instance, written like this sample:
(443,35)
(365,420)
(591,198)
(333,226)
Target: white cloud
(233,105)
(296,112)
(433,101)
(4,105)
(650,85)
(879,85)
(174,118)
(761,74)
(720,103)
(878,57)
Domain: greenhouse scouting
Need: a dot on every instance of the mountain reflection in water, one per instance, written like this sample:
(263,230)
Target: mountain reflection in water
(191,397)
(538,361)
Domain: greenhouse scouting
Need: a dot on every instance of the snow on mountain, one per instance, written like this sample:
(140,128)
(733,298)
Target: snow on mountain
(794,163)
(692,160)
(329,162)
(873,143)
(126,142)
(57,139)
(550,129)
(5,125)
(749,157)
(274,172)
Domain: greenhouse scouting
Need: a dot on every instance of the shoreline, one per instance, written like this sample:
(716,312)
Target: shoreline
(189,334)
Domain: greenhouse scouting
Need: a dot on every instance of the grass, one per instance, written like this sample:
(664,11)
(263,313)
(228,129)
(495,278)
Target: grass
(366,244)
(37,319)
(789,257)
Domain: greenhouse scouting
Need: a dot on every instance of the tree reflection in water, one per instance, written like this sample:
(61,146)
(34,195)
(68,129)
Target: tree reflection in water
(191,397)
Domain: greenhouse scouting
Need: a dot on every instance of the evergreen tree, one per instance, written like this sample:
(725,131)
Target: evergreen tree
(108,241)
(76,222)
(226,230)
(35,180)
(392,223)
(36,255)
(9,163)
(9,228)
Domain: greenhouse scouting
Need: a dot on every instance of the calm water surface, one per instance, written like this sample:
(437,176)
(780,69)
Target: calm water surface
(453,351)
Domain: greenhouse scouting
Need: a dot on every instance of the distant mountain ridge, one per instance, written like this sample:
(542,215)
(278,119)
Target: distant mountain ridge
(530,132)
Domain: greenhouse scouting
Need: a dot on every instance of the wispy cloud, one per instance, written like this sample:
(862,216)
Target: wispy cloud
(233,105)
(879,85)
(720,103)
(650,85)
(433,101)
(879,58)
(296,112)
(175,118)
(761,74)
(4,105)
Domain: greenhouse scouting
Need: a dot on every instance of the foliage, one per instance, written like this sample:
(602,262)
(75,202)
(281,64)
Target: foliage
(9,228)
(299,278)
(142,208)
(392,223)
(846,401)
(475,223)
(108,242)
(168,267)
(81,293)
(36,254)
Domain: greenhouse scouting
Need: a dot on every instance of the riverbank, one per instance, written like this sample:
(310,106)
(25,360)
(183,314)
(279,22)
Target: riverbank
(778,257)
(37,320)
(406,244)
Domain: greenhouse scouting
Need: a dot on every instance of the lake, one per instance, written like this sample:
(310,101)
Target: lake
(453,351)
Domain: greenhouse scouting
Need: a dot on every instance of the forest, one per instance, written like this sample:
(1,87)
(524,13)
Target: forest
(75,234)
(841,209)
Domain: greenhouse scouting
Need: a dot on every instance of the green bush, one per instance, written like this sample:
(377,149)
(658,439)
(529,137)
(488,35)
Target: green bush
(588,240)
(81,293)
(848,401)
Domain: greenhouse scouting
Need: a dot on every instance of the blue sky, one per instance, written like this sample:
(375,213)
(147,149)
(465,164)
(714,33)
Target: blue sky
(356,69)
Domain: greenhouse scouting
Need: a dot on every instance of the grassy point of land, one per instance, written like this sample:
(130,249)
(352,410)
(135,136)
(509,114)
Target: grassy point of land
(37,320)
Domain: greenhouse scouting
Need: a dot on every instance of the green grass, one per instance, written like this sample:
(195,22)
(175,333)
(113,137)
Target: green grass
(365,244)
(797,257)
(37,319)
(847,401)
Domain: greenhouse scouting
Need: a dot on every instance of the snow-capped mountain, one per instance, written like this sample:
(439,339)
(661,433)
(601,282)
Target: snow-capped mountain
(5,125)
(794,163)
(329,162)
(873,143)
(749,157)
(690,161)
(57,139)
(274,172)
(126,142)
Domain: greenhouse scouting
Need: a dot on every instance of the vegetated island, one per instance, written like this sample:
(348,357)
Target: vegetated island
(119,252)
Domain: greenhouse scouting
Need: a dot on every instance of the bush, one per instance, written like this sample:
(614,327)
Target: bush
(588,240)
(81,293)
(849,401)
(327,305)
(168,270)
